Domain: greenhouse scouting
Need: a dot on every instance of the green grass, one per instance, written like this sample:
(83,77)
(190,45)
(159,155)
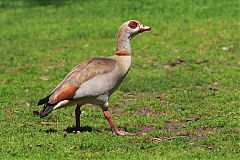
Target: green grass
(193,109)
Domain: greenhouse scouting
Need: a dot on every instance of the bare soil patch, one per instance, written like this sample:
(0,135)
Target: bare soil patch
(143,129)
(147,111)
(174,125)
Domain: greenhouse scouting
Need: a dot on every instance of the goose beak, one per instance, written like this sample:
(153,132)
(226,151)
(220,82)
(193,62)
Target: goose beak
(143,28)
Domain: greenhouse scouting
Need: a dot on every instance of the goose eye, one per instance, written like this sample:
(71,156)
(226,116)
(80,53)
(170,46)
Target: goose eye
(133,24)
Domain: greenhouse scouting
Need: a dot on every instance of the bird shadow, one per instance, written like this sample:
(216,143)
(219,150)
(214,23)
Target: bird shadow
(36,113)
(72,129)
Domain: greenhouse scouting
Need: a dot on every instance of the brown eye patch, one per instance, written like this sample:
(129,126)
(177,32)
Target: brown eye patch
(133,24)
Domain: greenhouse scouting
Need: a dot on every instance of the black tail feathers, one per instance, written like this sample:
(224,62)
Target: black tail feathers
(44,100)
(46,111)
(48,108)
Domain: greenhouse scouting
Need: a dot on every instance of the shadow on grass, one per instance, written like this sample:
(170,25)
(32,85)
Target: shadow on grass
(69,130)
(82,129)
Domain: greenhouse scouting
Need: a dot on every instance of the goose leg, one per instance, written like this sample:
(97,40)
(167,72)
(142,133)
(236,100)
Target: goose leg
(77,114)
(113,127)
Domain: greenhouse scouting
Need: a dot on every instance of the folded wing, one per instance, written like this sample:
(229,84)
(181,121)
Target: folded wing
(80,74)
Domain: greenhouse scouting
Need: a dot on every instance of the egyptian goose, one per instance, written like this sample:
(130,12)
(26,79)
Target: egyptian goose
(93,81)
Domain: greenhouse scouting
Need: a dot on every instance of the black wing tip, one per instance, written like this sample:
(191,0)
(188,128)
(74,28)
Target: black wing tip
(43,101)
(40,102)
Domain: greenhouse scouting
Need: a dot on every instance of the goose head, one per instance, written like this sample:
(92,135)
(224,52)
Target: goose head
(131,28)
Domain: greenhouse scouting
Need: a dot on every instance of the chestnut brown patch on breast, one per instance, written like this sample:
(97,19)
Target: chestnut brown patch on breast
(123,53)
(133,24)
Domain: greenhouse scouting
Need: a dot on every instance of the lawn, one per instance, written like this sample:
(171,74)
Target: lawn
(182,93)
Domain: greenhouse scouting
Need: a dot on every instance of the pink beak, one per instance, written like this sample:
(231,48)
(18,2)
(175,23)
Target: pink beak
(143,28)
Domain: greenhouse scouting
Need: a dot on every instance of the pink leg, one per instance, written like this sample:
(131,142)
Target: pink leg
(114,129)
(109,119)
